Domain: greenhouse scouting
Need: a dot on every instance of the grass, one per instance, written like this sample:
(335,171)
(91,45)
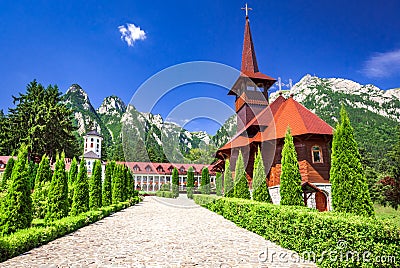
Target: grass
(387,214)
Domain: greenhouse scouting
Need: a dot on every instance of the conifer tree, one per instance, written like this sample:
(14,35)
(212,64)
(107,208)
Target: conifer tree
(32,170)
(42,185)
(290,185)
(7,173)
(17,204)
(107,194)
(80,200)
(241,188)
(349,186)
(218,184)
(73,173)
(58,204)
(260,188)
(95,187)
(228,180)
(118,184)
(205,181)
(190,182)
(175,182)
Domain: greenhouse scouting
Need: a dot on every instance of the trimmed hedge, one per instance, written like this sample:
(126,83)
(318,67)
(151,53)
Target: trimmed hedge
(24,240)
(306,230)
(167,194)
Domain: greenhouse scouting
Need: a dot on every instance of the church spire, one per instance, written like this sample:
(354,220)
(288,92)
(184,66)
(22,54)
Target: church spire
(249,61)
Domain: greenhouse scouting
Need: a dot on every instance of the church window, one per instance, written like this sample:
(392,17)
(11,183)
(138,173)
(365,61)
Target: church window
(91,139)
(316,154)
(91,145)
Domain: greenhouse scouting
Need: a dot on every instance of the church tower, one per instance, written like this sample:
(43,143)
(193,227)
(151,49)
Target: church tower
(251,88)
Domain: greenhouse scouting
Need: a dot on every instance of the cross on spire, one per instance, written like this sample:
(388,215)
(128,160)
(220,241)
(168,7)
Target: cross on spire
(247,10)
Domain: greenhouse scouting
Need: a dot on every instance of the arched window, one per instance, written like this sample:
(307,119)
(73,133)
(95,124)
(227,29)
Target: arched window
(316,154)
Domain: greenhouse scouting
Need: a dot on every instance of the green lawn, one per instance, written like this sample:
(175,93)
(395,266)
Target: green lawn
(387,213)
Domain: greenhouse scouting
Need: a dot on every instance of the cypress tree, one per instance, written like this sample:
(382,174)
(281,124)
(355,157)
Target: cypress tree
(17,204)
(241,188)
(58,204)
(80,200)
(118,184)
(190,182)
(95,187)
(349,185)
(107,195)
(290,186)
(175,182)
(205,181)
(42,185)
(7,173)
(260,188)
(228,180)
(32,170)
(73,173)
(218,184)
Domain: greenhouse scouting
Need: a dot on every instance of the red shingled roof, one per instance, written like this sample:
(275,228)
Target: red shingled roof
(277,117)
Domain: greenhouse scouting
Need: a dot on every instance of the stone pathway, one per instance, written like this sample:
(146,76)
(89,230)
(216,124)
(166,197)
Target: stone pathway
(159,232)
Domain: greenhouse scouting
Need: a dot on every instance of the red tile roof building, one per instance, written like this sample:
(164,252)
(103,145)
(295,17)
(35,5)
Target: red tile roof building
(263,124)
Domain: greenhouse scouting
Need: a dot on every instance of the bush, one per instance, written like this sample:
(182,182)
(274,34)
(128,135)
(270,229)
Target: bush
(58,204)
(218,184)
(27,239)
(190,183)
(95,186)
(241,188)
(167,194)
(306,230)
(175,182)
(290,188)
(228,180)
(80,200)
(205,187)
(165,187)
(107,194)
(16,209)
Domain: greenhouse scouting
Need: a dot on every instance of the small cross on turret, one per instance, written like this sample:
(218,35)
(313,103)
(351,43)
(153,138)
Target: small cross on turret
(247,10)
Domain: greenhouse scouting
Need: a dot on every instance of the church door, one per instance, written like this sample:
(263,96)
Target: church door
(321,201)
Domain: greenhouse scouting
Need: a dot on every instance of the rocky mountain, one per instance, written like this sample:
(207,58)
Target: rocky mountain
(131,134)
(374,113)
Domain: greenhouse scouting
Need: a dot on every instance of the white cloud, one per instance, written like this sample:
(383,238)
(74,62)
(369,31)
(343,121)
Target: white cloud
(381,65)
(130,33)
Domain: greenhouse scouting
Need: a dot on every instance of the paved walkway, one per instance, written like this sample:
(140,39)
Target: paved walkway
(159,232)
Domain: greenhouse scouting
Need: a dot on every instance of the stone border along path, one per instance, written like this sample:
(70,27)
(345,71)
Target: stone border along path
(158,232)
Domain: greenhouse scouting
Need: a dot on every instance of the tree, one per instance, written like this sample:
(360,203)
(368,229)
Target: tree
(118,184)
(42,121)
(391,184)
(205,181)
(260,188)
(73,173)
(228,180)
(290,185)
(17,204)
(190,182)
(349,186)
(241,188)
(175,182)
(7,173)
(218,184)
(107,194)
(58,204)
(80,200)
(42,185)
(95,187)
(32,170)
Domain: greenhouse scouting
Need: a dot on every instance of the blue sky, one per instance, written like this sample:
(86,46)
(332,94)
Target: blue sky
(66,42)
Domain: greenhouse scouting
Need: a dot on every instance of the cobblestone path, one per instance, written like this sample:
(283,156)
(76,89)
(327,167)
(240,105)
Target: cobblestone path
(158,232)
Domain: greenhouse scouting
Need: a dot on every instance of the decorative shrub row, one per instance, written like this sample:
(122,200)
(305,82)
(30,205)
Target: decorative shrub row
(26,239)
(334,238)
(167,194)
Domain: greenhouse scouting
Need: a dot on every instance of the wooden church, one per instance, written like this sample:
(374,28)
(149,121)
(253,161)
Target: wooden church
(264,124)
